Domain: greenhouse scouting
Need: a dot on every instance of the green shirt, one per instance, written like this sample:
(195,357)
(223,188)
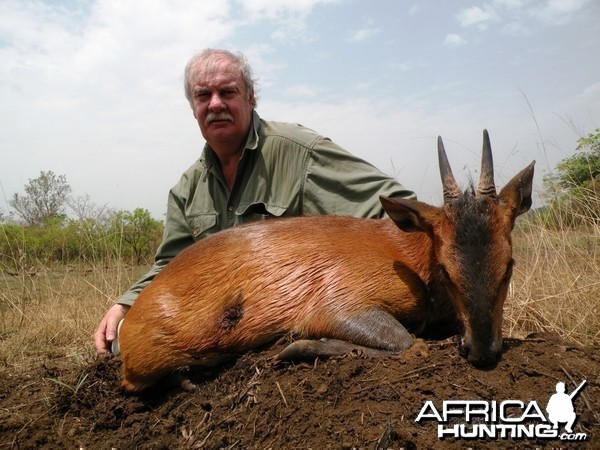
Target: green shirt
(285,170)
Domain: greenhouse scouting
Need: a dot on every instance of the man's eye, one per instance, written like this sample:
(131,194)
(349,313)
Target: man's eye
(228,93)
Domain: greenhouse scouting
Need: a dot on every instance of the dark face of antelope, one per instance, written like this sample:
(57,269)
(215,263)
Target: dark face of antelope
(475,252)
(473,248)
(475,262)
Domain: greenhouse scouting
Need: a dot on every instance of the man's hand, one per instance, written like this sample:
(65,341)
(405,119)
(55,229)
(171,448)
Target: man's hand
(107,330)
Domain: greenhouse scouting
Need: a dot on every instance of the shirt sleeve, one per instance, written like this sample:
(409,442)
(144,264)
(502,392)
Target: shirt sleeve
(177,236)
(340,183)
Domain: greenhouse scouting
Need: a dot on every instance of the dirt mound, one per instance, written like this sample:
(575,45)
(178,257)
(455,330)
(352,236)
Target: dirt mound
(347,402)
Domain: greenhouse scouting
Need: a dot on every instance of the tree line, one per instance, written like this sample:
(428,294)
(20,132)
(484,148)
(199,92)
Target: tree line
(572,190)
(48,225)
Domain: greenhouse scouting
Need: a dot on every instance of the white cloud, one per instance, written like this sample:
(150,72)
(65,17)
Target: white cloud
(509,4)
(263,65)
(363,86)
(276,9)
(475,16)
(583,103)
(406,65)
(289,16)
(414,9)
(454,40)
(363,34)
(517,27)
(519,17)
(592,90)
(116,41)
(302,91)
(557,12)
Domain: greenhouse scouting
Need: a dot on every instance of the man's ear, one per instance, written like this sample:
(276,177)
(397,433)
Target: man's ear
(515,197)
(411,215)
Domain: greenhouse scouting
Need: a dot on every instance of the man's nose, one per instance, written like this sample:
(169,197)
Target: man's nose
(216,103)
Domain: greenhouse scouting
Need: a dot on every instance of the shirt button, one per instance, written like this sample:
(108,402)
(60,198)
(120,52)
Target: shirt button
(230,209)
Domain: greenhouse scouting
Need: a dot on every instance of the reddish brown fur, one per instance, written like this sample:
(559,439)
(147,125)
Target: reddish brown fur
(246,286)
(289,275)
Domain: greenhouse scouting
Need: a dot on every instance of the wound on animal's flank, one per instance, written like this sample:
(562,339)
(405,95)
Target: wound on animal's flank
(232,312)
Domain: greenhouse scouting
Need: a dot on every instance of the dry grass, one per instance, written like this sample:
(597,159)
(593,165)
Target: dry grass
(556,282)
(52,313)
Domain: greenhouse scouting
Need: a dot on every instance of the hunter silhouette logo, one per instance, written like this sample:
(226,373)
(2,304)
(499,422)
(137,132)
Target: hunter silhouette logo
(560,407)
(507,419)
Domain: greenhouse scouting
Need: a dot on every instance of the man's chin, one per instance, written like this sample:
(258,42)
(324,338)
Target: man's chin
(225,132)
(219,126)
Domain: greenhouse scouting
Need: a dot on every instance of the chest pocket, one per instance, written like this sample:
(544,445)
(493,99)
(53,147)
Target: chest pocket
(202,225)
(251,212)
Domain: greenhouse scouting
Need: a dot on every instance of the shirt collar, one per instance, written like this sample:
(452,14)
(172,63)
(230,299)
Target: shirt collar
(252,140)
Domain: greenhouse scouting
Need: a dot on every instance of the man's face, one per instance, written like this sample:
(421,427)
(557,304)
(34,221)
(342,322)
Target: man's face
(220,103)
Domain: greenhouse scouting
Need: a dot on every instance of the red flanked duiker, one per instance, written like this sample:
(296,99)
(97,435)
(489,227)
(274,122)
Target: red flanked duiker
(363,284)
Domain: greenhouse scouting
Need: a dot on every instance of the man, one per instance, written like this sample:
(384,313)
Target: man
(250,169)
(560,408)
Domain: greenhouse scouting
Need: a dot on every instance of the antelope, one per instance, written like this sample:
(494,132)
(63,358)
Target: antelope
(337,283)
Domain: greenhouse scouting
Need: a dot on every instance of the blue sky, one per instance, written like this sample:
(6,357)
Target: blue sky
(93,89)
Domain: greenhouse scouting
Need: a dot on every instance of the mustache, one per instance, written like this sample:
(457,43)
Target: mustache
(224,115)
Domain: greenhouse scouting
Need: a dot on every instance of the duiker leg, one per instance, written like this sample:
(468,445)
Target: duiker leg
(373,332)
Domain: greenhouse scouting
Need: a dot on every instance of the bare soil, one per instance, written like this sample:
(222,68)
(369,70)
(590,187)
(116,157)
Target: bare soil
(344,402)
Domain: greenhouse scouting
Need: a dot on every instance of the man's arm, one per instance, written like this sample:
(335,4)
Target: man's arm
(340,183)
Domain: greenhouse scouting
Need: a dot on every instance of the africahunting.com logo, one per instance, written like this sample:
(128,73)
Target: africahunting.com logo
(508,419)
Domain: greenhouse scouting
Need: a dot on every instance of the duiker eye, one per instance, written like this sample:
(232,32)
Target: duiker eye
(444,271)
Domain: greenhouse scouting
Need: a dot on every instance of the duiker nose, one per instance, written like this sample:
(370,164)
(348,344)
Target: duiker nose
(481,358)
(488,360)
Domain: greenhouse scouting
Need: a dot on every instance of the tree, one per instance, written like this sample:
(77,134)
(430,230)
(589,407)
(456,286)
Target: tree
(91,225)
(45,198)
(574,188)
(139,230)
(89,215)
(583,168)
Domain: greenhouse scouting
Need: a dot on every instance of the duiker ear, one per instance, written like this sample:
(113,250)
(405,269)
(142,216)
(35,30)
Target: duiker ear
(515,197)
(411,215)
